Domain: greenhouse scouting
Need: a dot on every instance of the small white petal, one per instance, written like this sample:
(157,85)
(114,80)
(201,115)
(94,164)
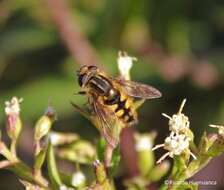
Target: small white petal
(158,146)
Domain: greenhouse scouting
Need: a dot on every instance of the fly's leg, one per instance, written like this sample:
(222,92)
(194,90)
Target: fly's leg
(81,111)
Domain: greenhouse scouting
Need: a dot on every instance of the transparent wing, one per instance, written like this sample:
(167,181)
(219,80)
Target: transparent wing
(139,90)
(107,123)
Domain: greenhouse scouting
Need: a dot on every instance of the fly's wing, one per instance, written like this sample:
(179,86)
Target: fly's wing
(139,90)
(108,123)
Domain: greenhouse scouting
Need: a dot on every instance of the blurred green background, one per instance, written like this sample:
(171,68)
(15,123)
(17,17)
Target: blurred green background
(180,51)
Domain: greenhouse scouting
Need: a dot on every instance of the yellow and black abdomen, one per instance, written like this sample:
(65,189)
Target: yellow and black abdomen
(115,98)
(122,106)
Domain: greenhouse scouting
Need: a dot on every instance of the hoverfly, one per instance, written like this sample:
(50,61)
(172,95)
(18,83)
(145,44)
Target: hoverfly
(112,100)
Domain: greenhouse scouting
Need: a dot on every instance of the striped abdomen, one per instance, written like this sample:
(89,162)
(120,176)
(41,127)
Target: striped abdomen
(121,105)
(113,98)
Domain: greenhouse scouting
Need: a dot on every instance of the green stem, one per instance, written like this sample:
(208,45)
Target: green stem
(24,172)
(13,147)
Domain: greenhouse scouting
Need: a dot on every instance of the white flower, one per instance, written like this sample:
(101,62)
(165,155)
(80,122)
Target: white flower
(13,107)
(178,123)
(178,141)
(78,179)
(125,63)
(176,144)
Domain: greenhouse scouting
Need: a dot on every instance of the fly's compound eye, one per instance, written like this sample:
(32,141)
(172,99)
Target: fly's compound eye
(81,79)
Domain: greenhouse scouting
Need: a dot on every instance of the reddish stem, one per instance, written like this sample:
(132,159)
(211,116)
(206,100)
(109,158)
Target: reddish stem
(77,44)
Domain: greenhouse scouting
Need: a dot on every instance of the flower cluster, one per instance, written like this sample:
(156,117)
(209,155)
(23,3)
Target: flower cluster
(179,139)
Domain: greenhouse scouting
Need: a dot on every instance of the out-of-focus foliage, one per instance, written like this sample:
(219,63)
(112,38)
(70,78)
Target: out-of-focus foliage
(179,45)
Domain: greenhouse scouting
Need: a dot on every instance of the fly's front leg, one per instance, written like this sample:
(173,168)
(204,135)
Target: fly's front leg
(80,93)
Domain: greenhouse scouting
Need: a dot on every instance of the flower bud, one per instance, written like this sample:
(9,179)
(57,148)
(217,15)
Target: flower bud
(78,179)
(42,127)
(44,124)
(143,148)
(100,171)
(80,151)
(102,182)
(14,124)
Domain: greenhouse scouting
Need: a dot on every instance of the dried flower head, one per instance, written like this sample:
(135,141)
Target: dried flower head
(125,63)
(178,123)
(13,107)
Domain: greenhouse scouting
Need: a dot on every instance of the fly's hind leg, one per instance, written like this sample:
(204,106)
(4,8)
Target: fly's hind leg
(82,111)
(138,103)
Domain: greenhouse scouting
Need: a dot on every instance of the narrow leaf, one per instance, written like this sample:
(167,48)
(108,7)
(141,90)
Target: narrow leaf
(52,168)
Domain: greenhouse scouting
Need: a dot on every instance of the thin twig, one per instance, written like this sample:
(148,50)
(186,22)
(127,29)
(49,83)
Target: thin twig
(128,151)
(77,44)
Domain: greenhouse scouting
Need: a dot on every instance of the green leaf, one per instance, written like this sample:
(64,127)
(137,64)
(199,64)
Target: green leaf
(101,145)
(116,157)
(159,171)
(216,149)
(16,41)
(203,144)
(52,168)
(179,166)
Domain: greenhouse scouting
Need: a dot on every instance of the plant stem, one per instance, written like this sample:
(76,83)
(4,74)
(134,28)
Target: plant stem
(13,147)
(108,155)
